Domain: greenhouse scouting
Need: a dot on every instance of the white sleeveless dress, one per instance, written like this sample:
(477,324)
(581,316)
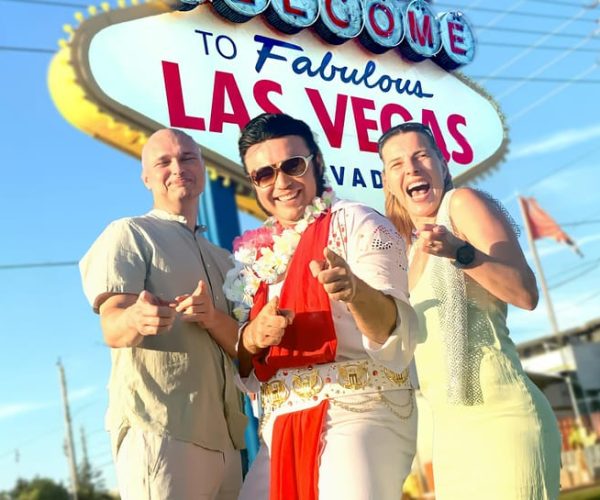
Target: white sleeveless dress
(495,435)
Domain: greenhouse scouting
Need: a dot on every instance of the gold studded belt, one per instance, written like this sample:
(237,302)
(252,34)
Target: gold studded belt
(300,388)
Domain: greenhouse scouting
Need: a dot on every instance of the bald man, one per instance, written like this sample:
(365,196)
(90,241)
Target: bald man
(175,417)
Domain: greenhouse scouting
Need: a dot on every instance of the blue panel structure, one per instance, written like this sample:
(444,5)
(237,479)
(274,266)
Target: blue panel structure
(218,212)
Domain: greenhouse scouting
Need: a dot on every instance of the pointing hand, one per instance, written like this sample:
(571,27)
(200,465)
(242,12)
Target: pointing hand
(150,315)
(334,273)
(197,307)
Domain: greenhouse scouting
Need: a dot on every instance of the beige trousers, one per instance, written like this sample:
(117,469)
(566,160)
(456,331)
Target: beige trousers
(157,467)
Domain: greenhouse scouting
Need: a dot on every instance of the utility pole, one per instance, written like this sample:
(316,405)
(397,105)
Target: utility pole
(17,460)
(551,315)
(70,449)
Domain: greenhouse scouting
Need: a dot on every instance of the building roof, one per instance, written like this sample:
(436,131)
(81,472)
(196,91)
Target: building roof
(588,332)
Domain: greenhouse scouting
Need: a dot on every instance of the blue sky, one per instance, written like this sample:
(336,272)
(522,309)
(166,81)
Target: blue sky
(61,188)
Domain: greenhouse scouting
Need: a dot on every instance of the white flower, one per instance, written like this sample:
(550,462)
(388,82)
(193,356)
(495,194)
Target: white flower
(245,255)
(280,264)
(300,227)
(267,267)
(252,283)
(254,266)
(248,300)
(241,313)
(318,205)
(286,243)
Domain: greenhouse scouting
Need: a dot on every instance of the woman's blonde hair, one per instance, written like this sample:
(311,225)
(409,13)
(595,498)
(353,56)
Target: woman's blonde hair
(398,215)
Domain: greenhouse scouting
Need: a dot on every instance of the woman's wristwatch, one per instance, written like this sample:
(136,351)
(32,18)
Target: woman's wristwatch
(465,255)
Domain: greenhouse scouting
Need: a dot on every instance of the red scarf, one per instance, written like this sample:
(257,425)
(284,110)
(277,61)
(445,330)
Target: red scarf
(310,339)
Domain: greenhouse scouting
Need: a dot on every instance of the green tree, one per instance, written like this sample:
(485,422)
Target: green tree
(38,488)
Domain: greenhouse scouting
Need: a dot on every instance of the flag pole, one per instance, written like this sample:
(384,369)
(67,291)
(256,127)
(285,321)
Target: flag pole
(550,309)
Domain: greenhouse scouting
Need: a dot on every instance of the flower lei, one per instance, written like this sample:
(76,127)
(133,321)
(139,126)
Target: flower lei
(263,254)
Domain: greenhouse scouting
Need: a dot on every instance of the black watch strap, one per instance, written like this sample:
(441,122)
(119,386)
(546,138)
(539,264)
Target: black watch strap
(465,255)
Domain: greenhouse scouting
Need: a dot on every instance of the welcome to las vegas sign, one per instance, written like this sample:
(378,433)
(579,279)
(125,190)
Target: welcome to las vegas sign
(127,72)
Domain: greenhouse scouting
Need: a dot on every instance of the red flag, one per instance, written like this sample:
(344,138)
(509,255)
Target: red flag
(541,225)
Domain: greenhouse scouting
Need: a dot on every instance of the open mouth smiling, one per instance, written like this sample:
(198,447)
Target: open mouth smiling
(417,188)
(288,196)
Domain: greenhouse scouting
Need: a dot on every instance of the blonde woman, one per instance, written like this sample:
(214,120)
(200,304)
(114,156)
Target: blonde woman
(495,435)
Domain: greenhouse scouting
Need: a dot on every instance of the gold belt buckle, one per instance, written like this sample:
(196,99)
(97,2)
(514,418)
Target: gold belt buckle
(395,377)
(307,385)
(275,393)
(353,375)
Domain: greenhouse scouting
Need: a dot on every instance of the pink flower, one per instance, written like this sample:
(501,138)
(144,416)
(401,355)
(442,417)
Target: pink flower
(255,238)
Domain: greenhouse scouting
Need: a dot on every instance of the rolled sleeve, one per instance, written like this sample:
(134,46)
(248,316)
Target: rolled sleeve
(114,264)
(397,351)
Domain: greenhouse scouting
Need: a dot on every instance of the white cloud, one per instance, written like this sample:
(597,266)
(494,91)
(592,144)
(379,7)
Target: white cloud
(82,393)
(556,142)
(13,409)
(556,186)
(8,410)
(550,247)
(588,239)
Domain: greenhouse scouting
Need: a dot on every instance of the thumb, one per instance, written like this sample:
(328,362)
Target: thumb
(439,229)
(147,298)
(200,289)
(333,259)
(316,266)
(273,305)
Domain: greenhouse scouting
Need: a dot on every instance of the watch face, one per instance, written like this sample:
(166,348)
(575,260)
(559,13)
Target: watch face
(465,254)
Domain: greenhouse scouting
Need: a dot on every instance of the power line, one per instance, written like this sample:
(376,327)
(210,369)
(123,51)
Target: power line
(590,267)
(8,48)
(532,32)
(558,2)
(516,13)
(501,16)
(85,406)
(552,93)
(570,163)
(542,178)
(576,267)
(532,76)
(580,223)
(32,440)
(587,298)
(541,47)
(545,36)
(38,264)
(533,79)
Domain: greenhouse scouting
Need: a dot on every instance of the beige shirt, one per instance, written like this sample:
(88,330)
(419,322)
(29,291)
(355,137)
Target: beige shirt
(180,382)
